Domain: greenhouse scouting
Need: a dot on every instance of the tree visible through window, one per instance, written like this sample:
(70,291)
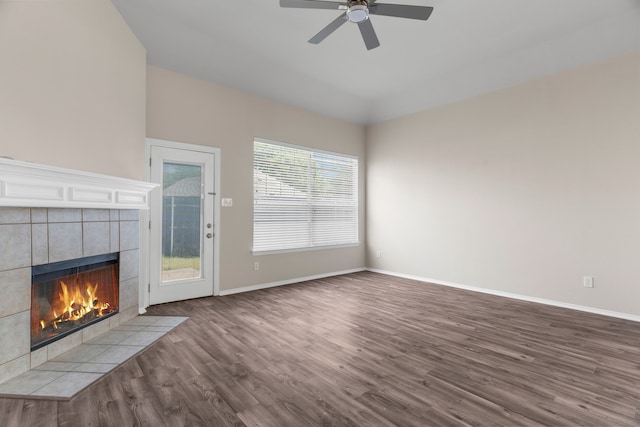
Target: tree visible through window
(303,198)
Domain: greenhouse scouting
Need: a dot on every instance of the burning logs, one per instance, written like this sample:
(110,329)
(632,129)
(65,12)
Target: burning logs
(67,299)
(78,308)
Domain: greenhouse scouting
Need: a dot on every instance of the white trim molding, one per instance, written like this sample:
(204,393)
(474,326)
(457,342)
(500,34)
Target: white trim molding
(553,303)
(287,282)
(24,184)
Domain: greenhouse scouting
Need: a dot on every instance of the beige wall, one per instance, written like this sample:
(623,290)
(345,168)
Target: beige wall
(72,86)
(185,109)
(525,190)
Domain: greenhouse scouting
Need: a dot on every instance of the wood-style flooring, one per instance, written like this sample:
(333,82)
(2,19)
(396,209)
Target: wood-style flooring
(365,349)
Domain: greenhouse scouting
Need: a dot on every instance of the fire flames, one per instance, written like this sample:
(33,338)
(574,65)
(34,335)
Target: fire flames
(77,304)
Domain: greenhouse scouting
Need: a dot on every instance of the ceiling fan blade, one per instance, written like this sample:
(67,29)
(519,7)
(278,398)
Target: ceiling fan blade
(401,10)
(326,31)
(368,34)
(310,4)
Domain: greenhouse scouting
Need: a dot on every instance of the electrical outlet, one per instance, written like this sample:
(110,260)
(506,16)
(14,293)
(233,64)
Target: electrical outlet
(227,203)
(256,266)
(587,282)
(378,254)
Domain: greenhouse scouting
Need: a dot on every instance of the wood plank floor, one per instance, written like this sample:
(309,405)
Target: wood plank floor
(365,350)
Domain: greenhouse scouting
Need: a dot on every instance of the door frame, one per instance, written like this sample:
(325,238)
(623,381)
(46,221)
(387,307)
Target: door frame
(145,235)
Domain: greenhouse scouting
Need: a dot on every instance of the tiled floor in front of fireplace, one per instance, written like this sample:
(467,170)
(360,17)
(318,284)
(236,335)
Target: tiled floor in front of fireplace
(71,372)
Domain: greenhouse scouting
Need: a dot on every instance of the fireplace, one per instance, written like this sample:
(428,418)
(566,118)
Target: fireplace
(69,295)
(50,215)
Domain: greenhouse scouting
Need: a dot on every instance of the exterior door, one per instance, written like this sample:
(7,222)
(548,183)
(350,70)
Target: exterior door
(181,226)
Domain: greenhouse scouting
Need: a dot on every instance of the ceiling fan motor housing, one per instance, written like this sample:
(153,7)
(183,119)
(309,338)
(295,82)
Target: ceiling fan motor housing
(358,11)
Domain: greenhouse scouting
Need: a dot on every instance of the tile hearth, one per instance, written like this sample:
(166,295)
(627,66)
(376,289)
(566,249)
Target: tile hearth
(36,236)
(71,372)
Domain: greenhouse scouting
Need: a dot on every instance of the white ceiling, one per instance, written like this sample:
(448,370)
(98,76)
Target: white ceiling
(466,48)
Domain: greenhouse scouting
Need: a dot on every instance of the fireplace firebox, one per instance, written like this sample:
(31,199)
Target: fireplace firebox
(70,295)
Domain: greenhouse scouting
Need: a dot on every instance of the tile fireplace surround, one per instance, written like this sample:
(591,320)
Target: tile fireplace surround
(51,214)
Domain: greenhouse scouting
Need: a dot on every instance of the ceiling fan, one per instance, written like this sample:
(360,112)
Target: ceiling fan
(358,11)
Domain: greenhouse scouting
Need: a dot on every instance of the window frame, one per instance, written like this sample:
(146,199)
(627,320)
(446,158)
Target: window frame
(356,199)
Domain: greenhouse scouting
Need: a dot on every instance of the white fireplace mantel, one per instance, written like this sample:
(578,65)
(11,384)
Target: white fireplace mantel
(27,184)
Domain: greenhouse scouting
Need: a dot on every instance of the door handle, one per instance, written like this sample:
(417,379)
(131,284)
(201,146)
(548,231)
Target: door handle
(209,235)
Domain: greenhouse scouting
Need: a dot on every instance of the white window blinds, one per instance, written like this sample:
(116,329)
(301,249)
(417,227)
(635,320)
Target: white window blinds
(303,198)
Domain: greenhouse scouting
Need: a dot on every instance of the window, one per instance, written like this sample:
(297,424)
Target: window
(303,198)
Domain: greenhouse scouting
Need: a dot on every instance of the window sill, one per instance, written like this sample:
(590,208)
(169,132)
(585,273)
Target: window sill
(314,248)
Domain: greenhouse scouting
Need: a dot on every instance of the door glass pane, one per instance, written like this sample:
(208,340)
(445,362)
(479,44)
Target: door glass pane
(181,221)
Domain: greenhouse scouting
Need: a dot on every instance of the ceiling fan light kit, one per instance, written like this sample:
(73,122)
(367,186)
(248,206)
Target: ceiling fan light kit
(357,12)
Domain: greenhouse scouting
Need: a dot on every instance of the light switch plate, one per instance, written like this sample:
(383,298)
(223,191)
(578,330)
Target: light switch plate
(227,203)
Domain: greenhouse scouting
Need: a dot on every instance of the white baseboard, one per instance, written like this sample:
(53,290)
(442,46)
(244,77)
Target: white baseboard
(587,309)
(288,282)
